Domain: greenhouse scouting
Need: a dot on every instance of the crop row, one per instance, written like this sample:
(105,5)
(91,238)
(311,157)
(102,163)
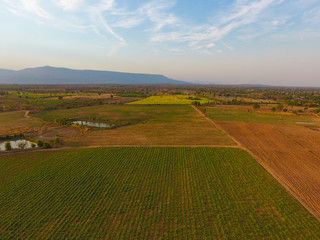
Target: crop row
(146,193)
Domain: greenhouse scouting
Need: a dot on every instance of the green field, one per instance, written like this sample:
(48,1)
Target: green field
(241,115)
(148,125)
(146,193)
(127,113)
(174,99)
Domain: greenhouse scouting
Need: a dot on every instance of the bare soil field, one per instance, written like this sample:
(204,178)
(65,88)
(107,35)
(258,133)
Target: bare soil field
(290,153)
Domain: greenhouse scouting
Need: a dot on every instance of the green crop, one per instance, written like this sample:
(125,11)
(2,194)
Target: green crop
(146,193)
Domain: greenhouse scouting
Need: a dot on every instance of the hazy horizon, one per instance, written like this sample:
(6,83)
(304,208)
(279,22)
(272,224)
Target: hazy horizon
(272,42)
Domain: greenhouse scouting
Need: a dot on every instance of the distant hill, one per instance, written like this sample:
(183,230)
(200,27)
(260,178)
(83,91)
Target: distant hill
(53,75)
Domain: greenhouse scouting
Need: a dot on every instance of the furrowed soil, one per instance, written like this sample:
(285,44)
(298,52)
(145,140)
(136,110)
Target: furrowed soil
(290,153)
(146,193)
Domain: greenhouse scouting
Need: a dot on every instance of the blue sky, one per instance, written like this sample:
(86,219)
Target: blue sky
(262,41)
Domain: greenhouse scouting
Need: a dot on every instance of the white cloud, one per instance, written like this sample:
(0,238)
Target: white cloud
(312,16)
(207,52)
(242,14)
(30,6)
(70,4)
(129,22)
(247,13)
(158,20)
(280,21)
(154,11)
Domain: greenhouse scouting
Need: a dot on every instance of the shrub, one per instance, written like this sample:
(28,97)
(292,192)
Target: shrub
(33,145)
(56,139)
(40,143)
(256,105)
(8,146)
(46,145)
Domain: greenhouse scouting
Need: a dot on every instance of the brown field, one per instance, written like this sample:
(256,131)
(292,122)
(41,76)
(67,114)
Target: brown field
(190,129)
(16,122)
(156,125)
(289,153)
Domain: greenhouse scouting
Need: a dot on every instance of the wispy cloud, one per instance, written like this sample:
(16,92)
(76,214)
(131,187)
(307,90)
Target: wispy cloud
(70,4)
(23,7)
(34,7)
(154,11)
(240,15)
(159,24)
(312,16)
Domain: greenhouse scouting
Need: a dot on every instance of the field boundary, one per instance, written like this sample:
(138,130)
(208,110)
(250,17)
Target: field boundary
(295,196)
(305,205)
(220,128)
(17,152)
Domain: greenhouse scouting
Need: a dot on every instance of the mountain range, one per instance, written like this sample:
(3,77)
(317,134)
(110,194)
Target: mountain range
(53,75)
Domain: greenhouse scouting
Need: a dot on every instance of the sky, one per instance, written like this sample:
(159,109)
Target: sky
(274,42)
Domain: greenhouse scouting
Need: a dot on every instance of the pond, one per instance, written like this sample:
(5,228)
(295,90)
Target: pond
(17,144)
(306,123)
(93,124)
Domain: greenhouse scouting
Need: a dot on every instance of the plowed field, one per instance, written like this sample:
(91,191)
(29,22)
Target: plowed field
(290,153)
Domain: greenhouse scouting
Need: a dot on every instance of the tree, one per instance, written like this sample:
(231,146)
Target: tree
(8,146)
(256,105)
(46,145)
(196,103)
(40,143)
(56,139)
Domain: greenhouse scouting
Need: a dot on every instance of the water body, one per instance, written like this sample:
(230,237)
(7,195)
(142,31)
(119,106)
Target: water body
(18,144)
(93,124)
(307,123)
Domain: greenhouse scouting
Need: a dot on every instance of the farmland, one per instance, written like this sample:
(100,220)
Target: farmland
(172,99)
(243,115)
(146,193)
(288,156)
(164,170)
(146,125)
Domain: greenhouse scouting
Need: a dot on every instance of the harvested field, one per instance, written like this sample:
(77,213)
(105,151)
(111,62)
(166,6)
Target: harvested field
(288,152)
(242,115)
(146,193)
(148,125)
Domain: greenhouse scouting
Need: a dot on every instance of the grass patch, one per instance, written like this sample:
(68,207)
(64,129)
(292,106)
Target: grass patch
(10,121)
(146,193)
